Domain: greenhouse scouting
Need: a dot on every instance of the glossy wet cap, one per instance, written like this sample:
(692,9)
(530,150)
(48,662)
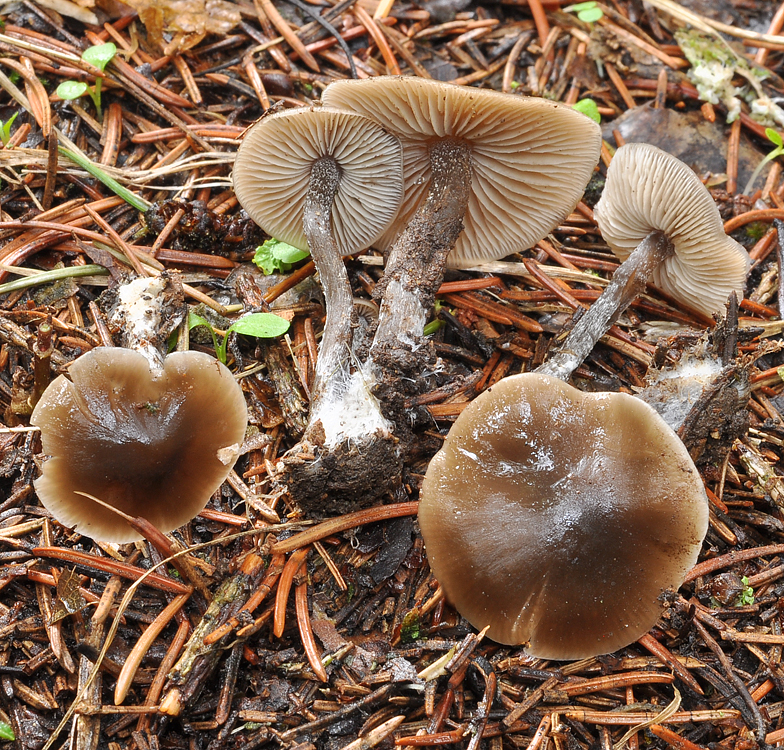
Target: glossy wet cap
(272,172)
(558,518)
(156,447)
(531,158)
(648,189)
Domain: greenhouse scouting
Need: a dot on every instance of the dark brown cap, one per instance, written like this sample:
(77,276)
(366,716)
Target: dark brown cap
(558,518)
(155,446)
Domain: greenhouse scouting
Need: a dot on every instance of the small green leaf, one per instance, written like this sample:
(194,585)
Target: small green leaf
(100,54)
(196,320)
(590,15)
(261,325)
(432,327)
(288,253)
(577,7)
(71,89)
(6,733)
(589,108)
(746,597)
(5,128)
(774,137)
(275,255)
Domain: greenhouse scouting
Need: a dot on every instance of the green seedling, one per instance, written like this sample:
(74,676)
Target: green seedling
(99,56)
(775,138)
(260,325)
(435,324)
(275,255)
(588,12)
(432,327)
(6,732)
(5,128)
(589,108)
(746,597)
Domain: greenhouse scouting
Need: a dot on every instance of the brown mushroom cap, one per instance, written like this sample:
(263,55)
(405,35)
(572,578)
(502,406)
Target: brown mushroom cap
(273,167)
(558,518)
(155,447)
(650,190)
(531,158)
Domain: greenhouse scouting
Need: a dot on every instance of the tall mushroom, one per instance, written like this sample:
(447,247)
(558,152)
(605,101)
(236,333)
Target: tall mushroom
(540,523)
(329,181)
(658,217)
(486,174)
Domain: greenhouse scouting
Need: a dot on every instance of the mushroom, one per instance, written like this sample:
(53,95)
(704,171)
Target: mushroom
(540,522)
(658,217)
(150,442)
(486,174)
(330,181)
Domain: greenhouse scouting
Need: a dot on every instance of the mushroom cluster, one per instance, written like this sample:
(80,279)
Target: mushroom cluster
(479,175)
(540,522)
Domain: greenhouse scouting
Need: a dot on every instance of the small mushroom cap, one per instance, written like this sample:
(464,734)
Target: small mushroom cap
(648,189)
(531,158)
(151,446)
(272,172)
(558,518)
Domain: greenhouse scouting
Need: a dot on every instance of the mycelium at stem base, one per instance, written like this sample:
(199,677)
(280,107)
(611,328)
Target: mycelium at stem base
(415,270)
(346,430)
(627,283)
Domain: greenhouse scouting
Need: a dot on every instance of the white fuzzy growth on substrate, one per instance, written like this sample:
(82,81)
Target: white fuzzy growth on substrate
(140,308)
(673,392)
(350,412)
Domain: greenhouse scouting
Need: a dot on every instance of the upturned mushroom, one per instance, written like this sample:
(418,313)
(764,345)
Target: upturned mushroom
(153,443)
(486,174)
(542,524)
(661,221)
(329,181)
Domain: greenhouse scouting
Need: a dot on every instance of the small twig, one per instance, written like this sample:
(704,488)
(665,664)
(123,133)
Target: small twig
(779,224)
(343,523)
(284,587)
(321,21)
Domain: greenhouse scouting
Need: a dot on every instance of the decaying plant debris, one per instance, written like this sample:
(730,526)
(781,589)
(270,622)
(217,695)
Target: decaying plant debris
(265,628)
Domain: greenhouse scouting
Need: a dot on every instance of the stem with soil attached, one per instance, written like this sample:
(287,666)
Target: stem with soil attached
(627,282)
(342,407)
(416,263)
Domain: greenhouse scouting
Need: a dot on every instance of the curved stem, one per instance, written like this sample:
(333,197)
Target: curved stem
(416,263)
(336,341)
(627,282)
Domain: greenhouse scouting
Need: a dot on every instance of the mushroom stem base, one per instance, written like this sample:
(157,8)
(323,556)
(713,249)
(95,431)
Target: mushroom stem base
(416,264)
(627,282)
(351,476)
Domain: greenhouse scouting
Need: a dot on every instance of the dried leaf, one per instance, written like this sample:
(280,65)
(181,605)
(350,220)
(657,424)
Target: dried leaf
(186,21)
(69,598)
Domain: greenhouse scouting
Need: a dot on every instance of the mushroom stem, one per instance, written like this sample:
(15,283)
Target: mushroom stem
(416,262)
(627,282)
(335,346)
